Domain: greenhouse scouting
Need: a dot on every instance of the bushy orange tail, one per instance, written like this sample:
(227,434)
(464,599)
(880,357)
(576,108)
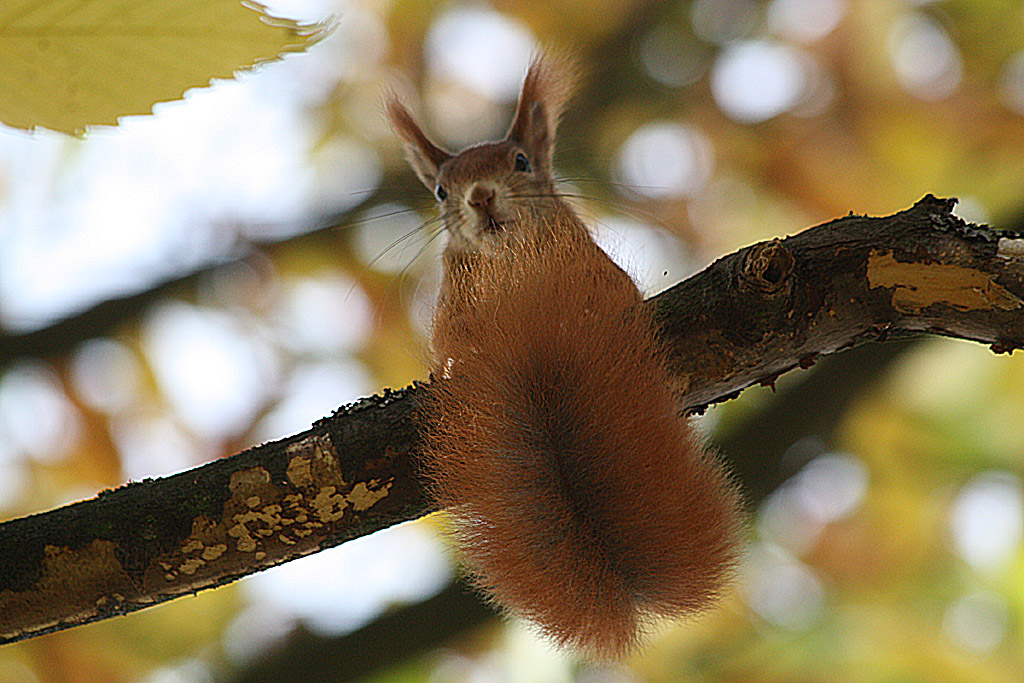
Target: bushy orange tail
(580,499)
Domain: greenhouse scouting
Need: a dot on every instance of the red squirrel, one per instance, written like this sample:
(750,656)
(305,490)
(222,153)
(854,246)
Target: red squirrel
(580,499)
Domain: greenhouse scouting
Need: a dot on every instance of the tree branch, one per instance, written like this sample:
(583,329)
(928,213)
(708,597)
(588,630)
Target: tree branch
(745,319)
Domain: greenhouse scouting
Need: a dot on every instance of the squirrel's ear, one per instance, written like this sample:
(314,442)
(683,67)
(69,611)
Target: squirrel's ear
(547,87)
(423,155)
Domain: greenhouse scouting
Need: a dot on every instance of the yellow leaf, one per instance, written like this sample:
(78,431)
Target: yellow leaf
(68,64)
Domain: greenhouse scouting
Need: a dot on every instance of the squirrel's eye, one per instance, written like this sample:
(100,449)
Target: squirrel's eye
(440,193)
(521,163)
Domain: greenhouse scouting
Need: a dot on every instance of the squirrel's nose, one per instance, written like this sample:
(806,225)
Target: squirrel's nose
(481,196)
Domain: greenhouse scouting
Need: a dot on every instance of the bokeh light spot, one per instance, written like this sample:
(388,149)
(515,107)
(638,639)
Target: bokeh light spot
(756,80)
(671,58)
(36,417)
(665,160)
(782,590)
(106,375)
(481,49)
(987,519)
(213,369)
(978,620)
(805,21)
(1011,85)
(926,61)
(722,22)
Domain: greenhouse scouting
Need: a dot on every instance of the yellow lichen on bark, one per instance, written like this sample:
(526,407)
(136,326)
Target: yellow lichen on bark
(916,286)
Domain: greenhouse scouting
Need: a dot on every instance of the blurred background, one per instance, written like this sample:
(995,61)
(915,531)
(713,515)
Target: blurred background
(239,264)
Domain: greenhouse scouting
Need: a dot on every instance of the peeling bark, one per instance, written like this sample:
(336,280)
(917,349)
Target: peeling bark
(744,320)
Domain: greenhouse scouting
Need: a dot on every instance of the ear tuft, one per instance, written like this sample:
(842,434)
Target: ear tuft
(423,155)
(549,83)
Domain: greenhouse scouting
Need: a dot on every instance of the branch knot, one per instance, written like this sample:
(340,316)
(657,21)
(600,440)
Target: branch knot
(767,266)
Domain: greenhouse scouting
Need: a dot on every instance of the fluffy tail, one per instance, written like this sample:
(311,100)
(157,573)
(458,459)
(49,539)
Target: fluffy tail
(580,499)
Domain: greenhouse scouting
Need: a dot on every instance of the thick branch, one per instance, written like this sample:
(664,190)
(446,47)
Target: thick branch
(778,305)
(744,320)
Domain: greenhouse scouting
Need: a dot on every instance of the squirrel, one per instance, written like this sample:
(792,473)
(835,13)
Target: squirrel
(580,498)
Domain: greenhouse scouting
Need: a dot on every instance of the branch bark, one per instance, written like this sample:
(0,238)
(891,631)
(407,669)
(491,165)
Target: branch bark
(745,319)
